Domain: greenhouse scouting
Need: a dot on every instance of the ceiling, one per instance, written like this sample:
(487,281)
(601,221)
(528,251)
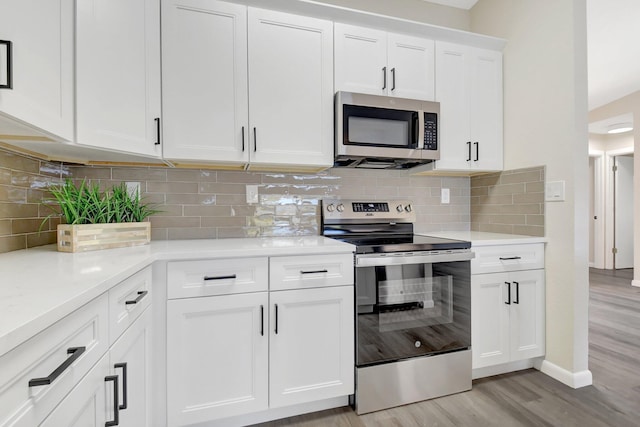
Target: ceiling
(613,35)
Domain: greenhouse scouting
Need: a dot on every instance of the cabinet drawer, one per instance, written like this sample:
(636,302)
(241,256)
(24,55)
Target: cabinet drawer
(496,259)
(217,277)
(46,354)
(310,271)
(127,301)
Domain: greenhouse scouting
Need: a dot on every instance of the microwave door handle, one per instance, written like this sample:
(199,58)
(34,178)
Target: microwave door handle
(420,133)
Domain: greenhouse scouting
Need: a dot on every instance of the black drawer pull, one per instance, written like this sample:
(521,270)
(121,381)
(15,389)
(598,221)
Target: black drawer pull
(508,301)
(231,276)
(9,65)
(509,258)
(276,327)
(116,408)
(75,353)
(123,366)
(141,294)
(262,320)
(313,271)
(158,131)
(517,301)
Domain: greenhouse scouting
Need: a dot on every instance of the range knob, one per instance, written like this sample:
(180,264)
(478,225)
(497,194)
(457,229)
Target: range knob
(399,208)
(331,208)
(340,207)
(408,208)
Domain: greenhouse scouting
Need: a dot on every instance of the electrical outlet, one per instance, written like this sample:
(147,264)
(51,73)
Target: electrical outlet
(444,196)
(133,188)
(252,194)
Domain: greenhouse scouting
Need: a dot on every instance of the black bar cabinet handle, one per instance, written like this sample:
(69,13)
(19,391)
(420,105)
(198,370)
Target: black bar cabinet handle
(9,66)
(116,398)
(123,366)
(393,79)
(509,258)
(384,78)
(313,271)
(276,328)
(75,353)
(517,301)
(477,144)
(157,120)
(141,294)
(231,276)
(243,139)
(469,149)
(508,301)
(255,140)
(262,320)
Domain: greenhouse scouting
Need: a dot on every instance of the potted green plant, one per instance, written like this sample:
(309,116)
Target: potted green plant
(100,220)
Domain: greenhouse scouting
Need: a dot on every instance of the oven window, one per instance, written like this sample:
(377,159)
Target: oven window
(380,127)
(412,310)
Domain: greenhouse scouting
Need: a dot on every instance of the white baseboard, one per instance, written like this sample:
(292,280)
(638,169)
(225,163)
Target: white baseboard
(278,413)
(490,371)
(635,283)
(572,379)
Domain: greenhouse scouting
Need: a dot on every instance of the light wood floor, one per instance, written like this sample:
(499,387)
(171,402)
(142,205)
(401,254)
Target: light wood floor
(530,398)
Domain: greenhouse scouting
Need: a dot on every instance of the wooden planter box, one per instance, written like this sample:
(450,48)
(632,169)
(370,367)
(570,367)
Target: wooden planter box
(91,237)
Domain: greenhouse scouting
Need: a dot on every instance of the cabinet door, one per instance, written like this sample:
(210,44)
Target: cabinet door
(130,358)
(361,60)
(411,67)
(217,357)
(118,74)
(527,314)
(41,33)
(291,89)
(490,325)
(452,91)
(312,345)
(204,81)
(485,103)
(89,404)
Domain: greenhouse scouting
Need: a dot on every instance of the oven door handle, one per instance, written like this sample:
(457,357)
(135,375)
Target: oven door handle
(377,260)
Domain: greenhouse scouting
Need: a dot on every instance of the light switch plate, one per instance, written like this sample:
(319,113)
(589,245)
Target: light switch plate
(444,196)
(554,191)
(252,194)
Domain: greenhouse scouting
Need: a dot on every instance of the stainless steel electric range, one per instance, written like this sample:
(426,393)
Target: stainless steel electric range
(413,304)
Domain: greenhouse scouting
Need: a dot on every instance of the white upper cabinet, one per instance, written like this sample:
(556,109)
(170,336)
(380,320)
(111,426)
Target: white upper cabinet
(36,54)
(204,81)
(380,63)
(469,89)
(118,75)
(290,89)
(246,86)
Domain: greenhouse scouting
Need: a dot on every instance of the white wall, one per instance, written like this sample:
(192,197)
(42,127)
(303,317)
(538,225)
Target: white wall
(545,123)
(620,141)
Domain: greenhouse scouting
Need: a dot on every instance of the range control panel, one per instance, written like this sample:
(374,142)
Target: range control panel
(389,210)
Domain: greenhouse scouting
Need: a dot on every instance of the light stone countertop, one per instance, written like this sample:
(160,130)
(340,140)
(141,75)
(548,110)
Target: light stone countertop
(40,286)
(481,238)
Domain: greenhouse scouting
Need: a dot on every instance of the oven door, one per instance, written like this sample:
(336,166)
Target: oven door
(411,305)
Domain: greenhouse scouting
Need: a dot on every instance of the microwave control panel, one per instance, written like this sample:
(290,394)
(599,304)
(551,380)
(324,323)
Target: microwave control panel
(430,131)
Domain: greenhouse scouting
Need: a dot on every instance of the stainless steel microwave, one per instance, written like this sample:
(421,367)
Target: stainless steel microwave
(384,132)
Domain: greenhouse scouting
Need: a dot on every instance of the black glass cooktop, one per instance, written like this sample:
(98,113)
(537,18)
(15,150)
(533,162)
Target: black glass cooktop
(401,243)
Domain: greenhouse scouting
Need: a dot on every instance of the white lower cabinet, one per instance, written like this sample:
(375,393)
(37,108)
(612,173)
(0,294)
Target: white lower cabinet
(217,357)
(242,353)
(70,373)
(129,359)
(311,345)
(86,405)
(507,317)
